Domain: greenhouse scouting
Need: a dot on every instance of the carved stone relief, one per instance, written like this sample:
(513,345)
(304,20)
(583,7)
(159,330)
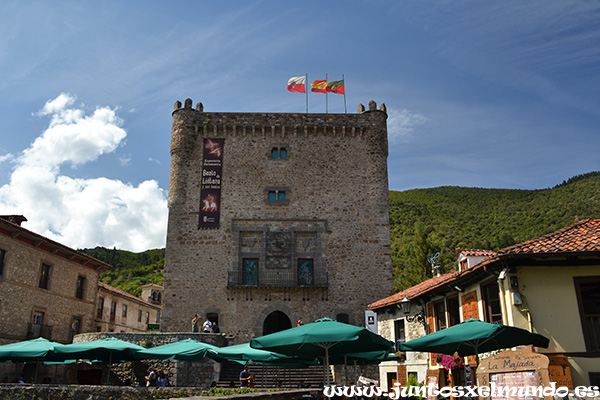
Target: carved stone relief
(279,249)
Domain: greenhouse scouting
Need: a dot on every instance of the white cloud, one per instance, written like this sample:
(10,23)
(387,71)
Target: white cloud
(401,124)
(124,161)
(154,160)
(82,212)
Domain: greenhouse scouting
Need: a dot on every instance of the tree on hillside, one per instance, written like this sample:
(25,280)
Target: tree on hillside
(414,267)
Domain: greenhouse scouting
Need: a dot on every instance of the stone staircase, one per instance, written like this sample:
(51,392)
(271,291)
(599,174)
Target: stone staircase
(272,377)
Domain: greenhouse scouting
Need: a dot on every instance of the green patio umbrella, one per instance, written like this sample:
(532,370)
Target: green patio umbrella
(104,350)
(363,358)
(29,350)
(183,350)
(323,338)
(472,337)
(243,353)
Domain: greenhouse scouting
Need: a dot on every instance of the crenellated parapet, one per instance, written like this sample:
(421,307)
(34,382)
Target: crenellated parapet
(282,125)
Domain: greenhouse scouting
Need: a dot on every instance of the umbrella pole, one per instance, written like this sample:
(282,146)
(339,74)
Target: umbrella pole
(109,364)
(346,370)
(327,364)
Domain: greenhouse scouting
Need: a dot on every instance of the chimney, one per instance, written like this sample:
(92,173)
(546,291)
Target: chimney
(15,219)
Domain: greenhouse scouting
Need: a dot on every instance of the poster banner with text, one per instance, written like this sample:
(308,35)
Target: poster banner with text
(210,189)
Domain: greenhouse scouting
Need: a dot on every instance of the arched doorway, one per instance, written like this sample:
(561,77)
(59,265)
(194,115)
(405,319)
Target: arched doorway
(275,322)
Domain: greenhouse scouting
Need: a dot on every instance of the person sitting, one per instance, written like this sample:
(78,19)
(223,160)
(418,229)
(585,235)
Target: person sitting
(162,378)
(152,378)
(244,377)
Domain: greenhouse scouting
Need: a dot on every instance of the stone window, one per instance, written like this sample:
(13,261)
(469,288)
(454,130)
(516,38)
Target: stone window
(399,332)
(279,153)
(343,317)
(124,311)
(139,315)
(100,309)
(45,276)
(80,287)
(2,260)
(250,272)
(213,317)
(491,303)
(305,271)
(588,299)
(75,327)
(277,195)
(147,317)
(37,325)
(113,310)
(453,310)
(440,315)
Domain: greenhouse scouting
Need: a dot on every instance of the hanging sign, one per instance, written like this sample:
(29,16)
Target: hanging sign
(210,189)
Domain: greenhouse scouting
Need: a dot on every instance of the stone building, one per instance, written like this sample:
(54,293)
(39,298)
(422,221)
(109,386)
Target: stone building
(152,293)
(119,311)
(275,218)
(46,289)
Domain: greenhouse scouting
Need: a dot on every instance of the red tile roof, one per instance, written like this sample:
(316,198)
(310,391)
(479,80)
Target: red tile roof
(413,291)
(476,252)
(582,236)
(124,294)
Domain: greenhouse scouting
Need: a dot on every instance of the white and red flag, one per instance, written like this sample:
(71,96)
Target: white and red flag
(297,84)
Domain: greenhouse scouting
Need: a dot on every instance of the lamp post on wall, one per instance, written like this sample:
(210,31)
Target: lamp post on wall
(419,317)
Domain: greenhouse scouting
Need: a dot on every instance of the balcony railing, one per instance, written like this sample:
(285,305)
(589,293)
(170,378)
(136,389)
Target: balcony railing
(278,279)
(35,331)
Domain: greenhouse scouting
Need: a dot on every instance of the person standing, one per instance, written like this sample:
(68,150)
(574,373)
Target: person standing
(195,322)
(207,326)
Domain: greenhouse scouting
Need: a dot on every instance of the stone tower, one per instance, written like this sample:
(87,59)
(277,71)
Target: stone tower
(276,217)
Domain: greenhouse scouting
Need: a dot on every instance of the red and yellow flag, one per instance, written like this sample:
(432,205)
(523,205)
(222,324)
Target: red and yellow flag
(319,86)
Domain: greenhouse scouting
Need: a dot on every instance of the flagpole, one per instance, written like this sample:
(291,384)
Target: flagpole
(344,80)
(306,91)
(326,103)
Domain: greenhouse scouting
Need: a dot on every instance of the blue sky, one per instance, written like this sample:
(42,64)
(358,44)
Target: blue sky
(496,94)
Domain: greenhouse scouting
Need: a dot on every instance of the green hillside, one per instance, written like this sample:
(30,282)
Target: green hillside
(130,270)
(425,221)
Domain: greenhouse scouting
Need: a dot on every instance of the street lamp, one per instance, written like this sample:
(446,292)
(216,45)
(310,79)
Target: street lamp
(419,317)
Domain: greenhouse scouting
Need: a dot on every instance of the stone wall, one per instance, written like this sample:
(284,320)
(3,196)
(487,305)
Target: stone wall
(83,392)
(180,373)
(336,213)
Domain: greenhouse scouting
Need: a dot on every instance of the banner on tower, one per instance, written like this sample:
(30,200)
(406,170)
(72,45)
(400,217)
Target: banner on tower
(210,188)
